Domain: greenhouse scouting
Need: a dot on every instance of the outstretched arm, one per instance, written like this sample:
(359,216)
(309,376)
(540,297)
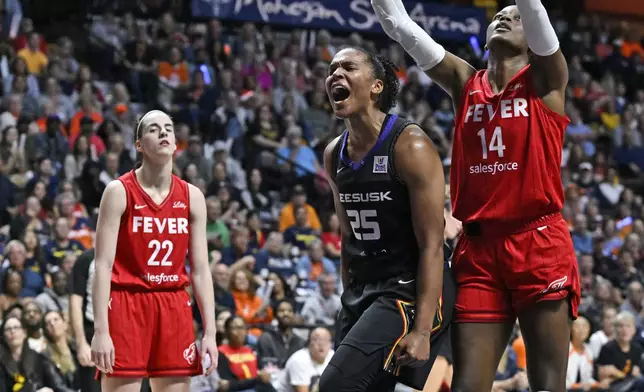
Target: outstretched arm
(550,70)
(419,167)
(444,68)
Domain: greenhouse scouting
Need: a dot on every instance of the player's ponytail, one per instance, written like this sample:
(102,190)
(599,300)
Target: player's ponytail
(389,95)
(384,70)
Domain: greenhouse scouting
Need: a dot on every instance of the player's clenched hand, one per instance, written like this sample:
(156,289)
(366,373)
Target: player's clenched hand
(413,350)
(103,352)
(209,347)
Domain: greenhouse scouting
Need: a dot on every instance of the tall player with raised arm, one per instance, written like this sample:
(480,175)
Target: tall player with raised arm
(515,256)
(149,221)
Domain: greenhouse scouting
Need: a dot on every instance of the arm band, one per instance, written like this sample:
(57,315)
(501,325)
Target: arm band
(539,33)
(401,28)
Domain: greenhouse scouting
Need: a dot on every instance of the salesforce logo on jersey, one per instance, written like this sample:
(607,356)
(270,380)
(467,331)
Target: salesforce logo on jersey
(441,21)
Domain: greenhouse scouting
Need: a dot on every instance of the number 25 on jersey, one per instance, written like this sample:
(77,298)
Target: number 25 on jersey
(157,246)
(496,144)
(364,228)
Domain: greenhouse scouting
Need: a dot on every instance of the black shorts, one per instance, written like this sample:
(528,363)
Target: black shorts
(376,316)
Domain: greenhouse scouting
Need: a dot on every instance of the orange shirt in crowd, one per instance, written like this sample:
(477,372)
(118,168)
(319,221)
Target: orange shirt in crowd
(287,217)
(42,124)
(75,123)
(179,71)
(519,348)
(631,48)
(247,307)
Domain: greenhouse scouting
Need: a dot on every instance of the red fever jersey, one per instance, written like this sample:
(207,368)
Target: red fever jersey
(507,153)
(153,239)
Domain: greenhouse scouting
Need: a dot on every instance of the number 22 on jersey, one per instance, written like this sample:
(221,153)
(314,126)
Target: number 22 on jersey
(496,144)
(157,247)
(364,228)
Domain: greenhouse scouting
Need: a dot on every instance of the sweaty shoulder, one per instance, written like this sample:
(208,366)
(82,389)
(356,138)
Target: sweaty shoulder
(413,151)
(328,155)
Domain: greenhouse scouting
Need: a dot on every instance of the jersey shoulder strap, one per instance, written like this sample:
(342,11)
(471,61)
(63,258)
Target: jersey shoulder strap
(335,156)
(399,126)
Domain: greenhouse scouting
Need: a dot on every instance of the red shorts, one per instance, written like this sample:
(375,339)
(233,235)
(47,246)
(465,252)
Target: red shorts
(153,334)
(503,269)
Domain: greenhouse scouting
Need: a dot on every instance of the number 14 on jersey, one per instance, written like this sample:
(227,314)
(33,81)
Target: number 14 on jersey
(496,143)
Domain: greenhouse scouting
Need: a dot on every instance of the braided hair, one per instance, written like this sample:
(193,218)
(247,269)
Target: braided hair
(384,70)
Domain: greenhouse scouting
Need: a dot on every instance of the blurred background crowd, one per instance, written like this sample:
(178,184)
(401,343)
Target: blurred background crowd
(252,119)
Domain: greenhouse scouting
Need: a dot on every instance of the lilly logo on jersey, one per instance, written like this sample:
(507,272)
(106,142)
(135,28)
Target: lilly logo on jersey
(365,197)
(160,278)
(178,204)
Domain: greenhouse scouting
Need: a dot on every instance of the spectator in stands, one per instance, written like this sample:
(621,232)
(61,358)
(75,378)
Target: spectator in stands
(287,215)
(23,368)
(332,239)
(234,172)
(579,375)
(58,247)
(634,301)
(80,228)
(252,308)
(300,235)
(323,306)
(239,253)
(32,320)
(58,349)
(277,345)
(313,264)
(605,334)
(194,155)
(15,256)
(221,279)
(272,258)
(620,358)
(35,58)
(304,367)
(55,299)
(240,364)
(12,285)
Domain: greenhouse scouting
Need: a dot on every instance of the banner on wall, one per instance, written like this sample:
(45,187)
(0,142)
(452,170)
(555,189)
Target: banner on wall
(441,21)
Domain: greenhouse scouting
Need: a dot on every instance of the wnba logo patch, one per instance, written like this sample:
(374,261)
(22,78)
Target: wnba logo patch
(556,285)
(380,164)
(190,354)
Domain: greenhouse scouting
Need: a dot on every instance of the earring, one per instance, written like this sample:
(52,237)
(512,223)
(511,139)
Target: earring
(485,47)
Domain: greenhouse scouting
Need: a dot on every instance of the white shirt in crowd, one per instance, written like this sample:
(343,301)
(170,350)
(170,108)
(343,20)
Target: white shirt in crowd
(300,369)
(580,367)
(597,340)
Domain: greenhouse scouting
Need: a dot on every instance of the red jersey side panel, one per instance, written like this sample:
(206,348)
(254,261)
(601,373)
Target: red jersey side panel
(507,153)
(153,239)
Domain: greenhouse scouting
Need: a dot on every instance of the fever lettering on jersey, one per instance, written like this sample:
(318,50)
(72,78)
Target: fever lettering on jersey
(153,239)
(147,224)
(507,152)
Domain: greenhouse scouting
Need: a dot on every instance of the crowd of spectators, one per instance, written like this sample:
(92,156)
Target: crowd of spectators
(252,118)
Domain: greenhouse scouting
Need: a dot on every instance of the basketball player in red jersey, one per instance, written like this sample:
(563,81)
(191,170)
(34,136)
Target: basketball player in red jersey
(149,221)
(515,256)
